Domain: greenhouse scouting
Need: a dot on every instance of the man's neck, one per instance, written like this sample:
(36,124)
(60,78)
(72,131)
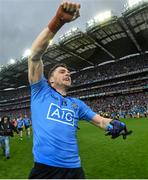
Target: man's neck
(60,90)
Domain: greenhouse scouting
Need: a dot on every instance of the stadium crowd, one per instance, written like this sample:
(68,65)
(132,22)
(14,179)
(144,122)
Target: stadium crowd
(112,87)
(109,70)
(110,97)
(125,106)
(13,95)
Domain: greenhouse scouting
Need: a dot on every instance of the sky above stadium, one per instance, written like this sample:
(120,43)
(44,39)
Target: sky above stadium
(22,20)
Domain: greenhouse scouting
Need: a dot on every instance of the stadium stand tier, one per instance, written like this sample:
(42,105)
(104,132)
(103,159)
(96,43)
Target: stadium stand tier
(108,63)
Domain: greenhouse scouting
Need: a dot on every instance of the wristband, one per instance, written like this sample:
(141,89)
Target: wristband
(109,127)
(55,24)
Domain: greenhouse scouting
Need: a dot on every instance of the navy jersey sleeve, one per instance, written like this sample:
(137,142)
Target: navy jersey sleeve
(85,111)
(39,87)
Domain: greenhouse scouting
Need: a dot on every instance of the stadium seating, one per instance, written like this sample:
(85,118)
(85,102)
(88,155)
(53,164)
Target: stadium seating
(109,64)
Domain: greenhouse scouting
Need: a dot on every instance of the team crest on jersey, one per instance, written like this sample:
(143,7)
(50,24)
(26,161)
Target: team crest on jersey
(62,115)
(64,103)
(74,105)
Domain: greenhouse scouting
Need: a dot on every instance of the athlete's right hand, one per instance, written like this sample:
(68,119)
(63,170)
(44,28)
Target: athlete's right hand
(66,12)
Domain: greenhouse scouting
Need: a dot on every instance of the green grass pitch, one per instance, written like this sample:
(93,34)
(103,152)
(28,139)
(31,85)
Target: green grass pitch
(102,157)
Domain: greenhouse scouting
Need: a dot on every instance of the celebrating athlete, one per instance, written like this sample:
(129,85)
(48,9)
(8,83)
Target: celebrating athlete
(54,114)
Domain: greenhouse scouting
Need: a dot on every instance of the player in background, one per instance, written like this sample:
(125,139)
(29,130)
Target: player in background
(27,125)
(20,124)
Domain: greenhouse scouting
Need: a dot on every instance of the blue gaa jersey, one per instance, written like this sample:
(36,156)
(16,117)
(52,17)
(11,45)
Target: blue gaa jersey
(54,122)
(26,121)
(20,123)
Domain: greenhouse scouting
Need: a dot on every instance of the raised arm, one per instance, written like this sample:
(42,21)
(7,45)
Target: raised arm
(66,12)
(35,64)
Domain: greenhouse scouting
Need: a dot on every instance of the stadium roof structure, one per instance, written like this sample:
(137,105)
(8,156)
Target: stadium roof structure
(113,39)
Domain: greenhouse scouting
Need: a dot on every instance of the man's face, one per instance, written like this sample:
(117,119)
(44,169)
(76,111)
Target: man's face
(5,119)
(61,78)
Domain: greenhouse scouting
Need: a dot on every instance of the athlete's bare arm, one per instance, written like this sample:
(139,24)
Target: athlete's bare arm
(35,64)
(101,121)
(66,12)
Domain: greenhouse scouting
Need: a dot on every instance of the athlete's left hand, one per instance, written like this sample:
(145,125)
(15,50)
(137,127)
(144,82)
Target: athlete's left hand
(117,128)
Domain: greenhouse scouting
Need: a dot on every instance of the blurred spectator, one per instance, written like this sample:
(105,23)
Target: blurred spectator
(6,130)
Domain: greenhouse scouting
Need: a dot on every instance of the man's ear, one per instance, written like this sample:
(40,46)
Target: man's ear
(51,80)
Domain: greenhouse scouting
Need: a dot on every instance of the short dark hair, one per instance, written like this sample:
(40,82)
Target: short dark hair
(8,118)
(55,67)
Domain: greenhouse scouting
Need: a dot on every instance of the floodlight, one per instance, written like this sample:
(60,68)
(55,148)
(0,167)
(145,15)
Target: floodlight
(1,67)
(132,3)
(12,61)
(50,42)
(103,16)
(90,22)
(74,29)
(26,53)
(71,31)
